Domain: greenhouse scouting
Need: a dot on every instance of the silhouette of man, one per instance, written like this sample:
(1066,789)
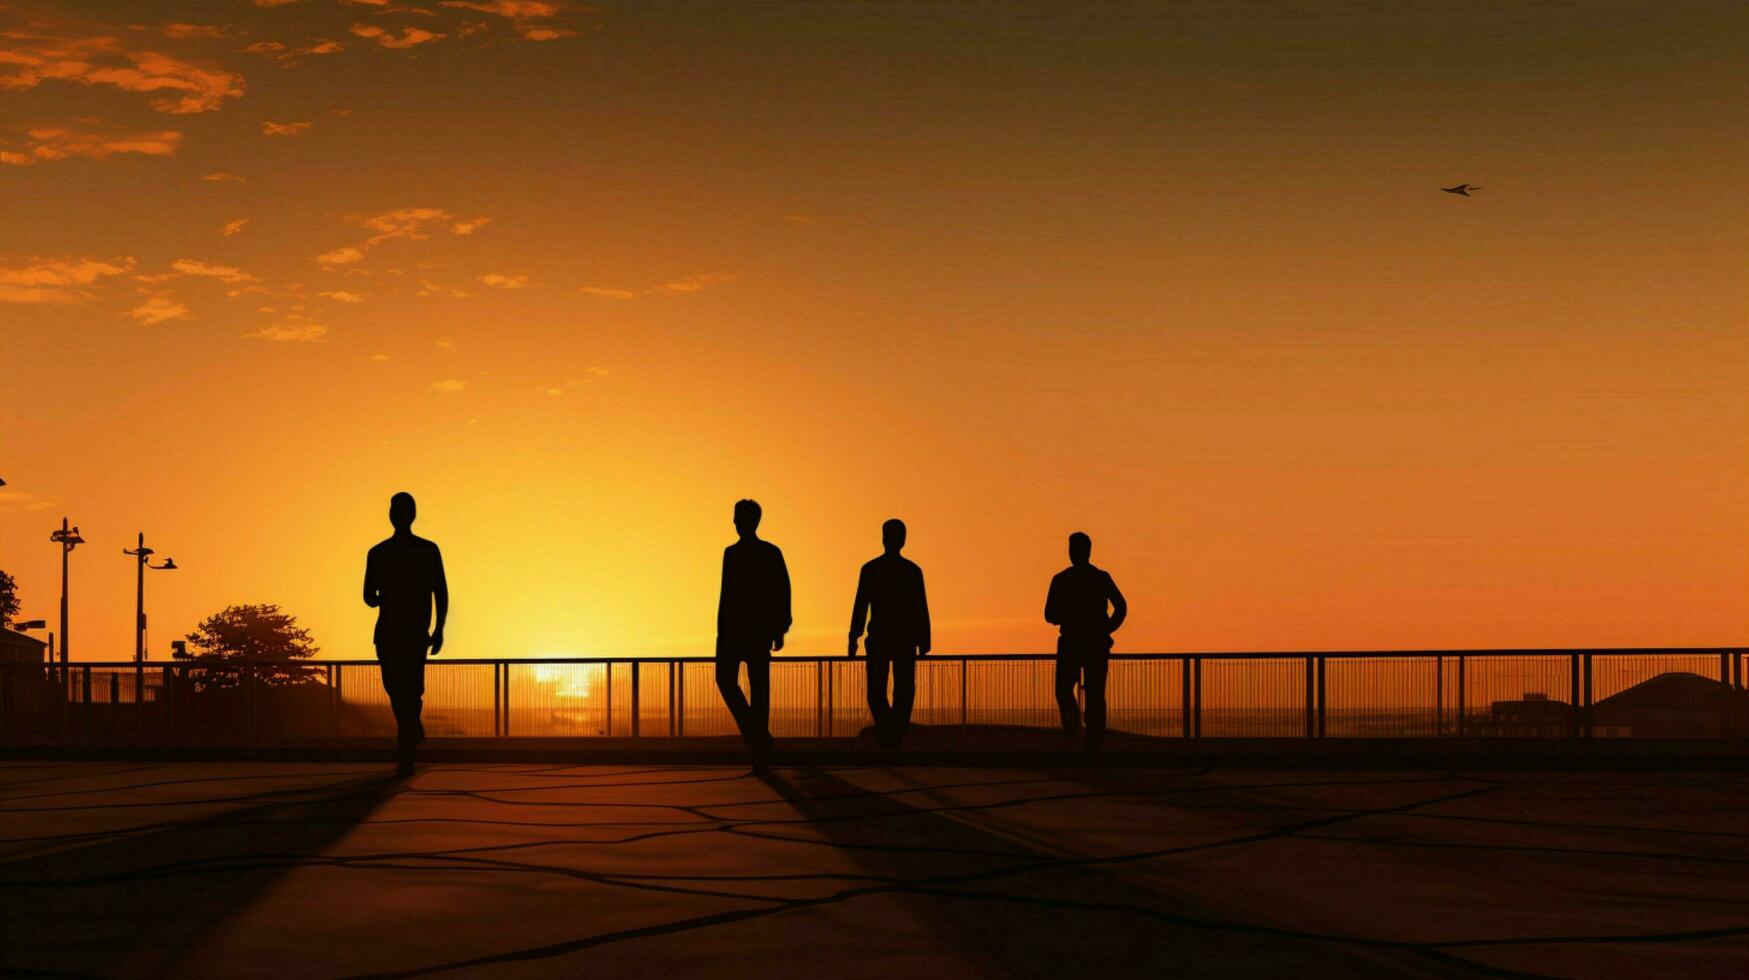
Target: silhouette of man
(753,614)
(403,577)
(898,632)
(1077,605)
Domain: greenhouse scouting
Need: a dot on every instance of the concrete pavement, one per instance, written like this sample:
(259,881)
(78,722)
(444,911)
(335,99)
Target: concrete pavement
(306,869)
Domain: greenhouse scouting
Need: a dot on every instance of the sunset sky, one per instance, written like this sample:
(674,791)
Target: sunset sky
(1176,274)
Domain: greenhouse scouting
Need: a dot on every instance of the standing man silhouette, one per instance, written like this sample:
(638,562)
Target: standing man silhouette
(753,614)
(898,632)
(1077,604)
(403,577)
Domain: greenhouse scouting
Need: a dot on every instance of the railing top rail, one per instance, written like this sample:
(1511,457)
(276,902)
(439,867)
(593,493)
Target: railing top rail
(974,657)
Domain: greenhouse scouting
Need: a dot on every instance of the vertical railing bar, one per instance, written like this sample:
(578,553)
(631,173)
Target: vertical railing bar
(1196,701)
(637,702)
(1311,703)
(965,704)
(819,698)
(1438,695)
(679,699)
(1588,693)
(85,698)
(831,696)
(1573,694)
(1184,702)
(607,726)
(169,698)
(497,700)
(1462,697)
(1322,663)
(333,700)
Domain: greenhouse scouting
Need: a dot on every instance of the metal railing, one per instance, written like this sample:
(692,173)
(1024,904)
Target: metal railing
(1641,692)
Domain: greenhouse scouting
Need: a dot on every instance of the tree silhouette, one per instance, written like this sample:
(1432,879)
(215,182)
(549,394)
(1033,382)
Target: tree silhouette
(8,599)
(257,634)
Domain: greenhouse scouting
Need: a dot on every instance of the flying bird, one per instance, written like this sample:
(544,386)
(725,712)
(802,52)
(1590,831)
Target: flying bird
(1463,189)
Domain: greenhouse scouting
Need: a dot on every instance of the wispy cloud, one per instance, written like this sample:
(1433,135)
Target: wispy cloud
(234,227)
(429,288)
(59,142)
(13,500)
(413,224)
(286,129)
(526,16)
(687,284)
(449,384)
(295,330)
(157,308)
(410,35)
(186,31)
(499,280)
(609,293)
(221,176)
(223,273)
(176,86)
(289,56)
(340,256)
(697,283)
(341,296)
(56,281)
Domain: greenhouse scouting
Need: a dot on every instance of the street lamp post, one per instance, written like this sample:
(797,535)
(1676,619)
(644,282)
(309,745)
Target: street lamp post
(68,539)
(143,556)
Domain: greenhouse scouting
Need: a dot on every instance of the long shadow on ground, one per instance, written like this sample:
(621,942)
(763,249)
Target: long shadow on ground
(1043,912)
(133,904)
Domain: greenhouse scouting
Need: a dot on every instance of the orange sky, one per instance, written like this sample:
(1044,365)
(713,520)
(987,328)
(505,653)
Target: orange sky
(1177,275)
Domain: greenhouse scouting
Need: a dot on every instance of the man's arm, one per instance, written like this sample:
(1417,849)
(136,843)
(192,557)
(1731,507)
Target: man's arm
(723,604)
(373,594)
(783,610)
(923,641)
(440,593)
(858,609)
(1119,608)
(1053,615)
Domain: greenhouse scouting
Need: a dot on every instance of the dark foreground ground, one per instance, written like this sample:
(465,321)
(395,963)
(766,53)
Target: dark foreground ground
(329,869)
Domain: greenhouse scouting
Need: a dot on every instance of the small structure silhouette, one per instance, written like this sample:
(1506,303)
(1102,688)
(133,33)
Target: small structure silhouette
(1463,189)
(403,580)
(1086,606)
(753,614)
(891,599)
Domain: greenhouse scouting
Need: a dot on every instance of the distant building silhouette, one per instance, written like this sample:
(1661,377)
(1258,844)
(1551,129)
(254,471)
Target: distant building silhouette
(1533,715)
(403,580)
(891,589)
(1086,606)
(753,614)
(1677,704)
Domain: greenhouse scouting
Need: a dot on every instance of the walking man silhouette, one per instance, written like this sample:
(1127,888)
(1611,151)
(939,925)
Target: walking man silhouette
(403,578)
(1077,605)
(753,614)
(891,586)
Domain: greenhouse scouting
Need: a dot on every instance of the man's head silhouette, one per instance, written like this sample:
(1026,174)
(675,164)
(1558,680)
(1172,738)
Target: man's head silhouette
(893,535)
(747,515)
(402,510)
(1080,548)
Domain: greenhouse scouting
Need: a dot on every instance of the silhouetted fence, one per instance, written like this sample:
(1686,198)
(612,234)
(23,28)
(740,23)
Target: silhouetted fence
(1473,693)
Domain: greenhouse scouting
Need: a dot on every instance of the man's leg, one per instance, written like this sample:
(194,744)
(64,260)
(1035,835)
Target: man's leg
(904,692)
(1068,672)
(398,684)
(729,685)
(1096,664)
(878,709)
(759,701)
